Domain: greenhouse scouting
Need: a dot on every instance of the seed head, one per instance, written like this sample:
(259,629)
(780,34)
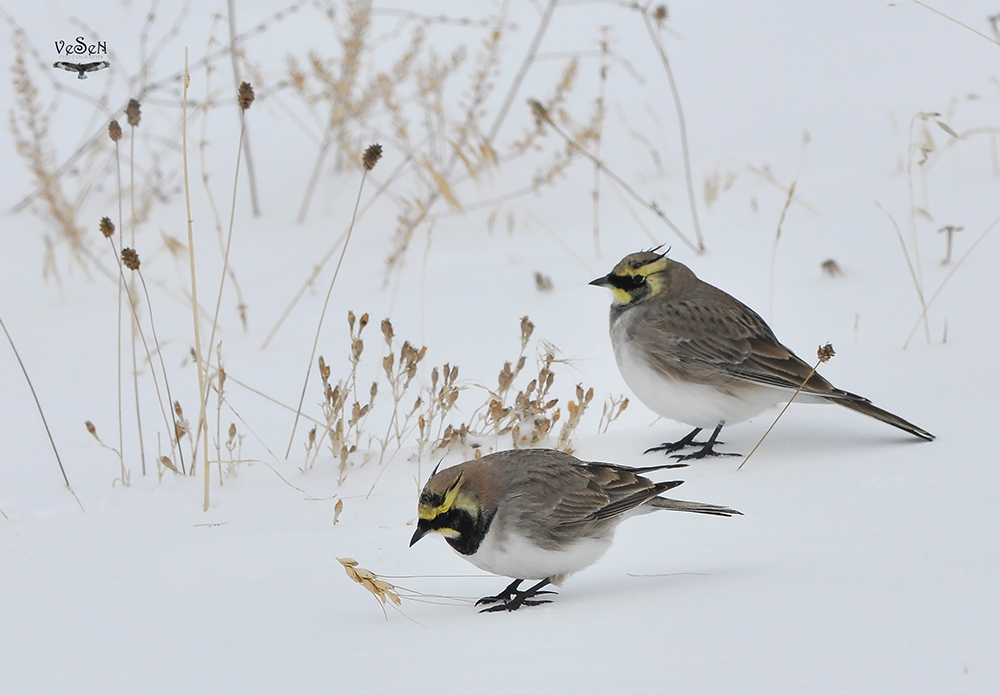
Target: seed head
(115,131)
(660,14)
(133,113)
(130,258)
(371,156)
(107,227)
(245,95)
(825,352)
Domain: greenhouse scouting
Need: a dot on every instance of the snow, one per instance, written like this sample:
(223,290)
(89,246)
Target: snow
(865,561)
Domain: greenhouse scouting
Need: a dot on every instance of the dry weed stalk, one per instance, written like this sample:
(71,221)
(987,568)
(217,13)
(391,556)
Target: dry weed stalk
(379,588)
(576,409)
(29,124)
(41,413)
(924,148)
(542,115)
(344,431)
(130,260)
(954,269)
(660,16)
(774,250)
(823,354)
(369,159)
(613,408)
(199,359)
(125,478)
(726,174)
(245,97)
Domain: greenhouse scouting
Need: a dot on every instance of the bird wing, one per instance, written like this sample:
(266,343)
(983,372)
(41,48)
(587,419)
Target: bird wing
(64,65)
(94,67)
(609,491)
(711,332)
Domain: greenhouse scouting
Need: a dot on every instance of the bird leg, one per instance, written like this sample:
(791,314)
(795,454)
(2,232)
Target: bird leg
(682,443)
(510,599)
(706,450)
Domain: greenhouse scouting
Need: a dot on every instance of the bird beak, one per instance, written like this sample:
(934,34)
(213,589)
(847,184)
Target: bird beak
(601,282)
(422,530)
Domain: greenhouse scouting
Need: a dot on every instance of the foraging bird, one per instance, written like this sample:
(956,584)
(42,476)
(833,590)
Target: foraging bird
(538,514)
(694,354)
(81,68)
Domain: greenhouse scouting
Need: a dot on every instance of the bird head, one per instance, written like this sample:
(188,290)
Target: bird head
(450,506)
(638,276)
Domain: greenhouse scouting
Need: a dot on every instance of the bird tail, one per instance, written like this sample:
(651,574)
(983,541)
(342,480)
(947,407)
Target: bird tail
(697,507)
(864,406)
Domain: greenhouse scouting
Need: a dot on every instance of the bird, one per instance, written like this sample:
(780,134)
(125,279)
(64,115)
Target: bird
(538,514)
(81,68)
(697,355)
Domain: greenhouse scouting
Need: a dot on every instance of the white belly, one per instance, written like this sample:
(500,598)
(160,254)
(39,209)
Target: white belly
(515,557)
(697,405)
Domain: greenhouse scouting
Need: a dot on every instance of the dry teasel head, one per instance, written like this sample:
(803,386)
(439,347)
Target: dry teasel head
(371,156)
(660,14)
(130,258)
(93,430)
(825,352)
(387,331)
(133,113)
(114,131)
(245,95)
(337,509)
(107,227)
(232,430)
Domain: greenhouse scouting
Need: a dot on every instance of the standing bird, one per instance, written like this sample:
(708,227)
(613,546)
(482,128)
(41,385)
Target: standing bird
(694,354)
(81,68)
(538,514)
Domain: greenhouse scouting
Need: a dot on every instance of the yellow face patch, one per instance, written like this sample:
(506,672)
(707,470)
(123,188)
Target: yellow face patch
(428,513)
(620,296)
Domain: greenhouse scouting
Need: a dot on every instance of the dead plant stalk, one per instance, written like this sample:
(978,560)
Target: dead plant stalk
(370,158)
(202,375)
(38,404)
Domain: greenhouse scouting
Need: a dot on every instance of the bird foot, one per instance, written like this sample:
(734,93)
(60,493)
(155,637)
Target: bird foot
(511,598)
(669,447)
(705,452)
(684,442)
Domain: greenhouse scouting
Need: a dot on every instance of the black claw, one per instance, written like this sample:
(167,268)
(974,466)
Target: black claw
(511,598)
(707,449)
(682,443)
(706,452)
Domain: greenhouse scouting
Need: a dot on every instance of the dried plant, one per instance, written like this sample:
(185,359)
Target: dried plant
(379,588)
(125,478)
(613,408)
(29,123)
(576,409)
(41,414)
(824,353)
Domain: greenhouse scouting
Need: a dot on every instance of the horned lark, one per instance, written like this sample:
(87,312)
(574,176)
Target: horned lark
(694,354)
(538,514)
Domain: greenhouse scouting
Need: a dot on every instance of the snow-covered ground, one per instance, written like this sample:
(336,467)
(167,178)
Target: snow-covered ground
(866,561)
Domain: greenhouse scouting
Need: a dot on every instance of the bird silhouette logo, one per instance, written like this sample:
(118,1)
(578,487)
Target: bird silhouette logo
(81,69)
